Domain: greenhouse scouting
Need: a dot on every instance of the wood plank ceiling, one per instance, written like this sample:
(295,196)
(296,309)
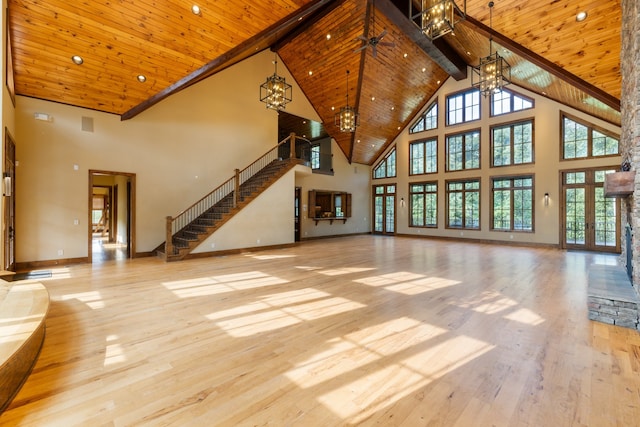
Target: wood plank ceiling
(575,63)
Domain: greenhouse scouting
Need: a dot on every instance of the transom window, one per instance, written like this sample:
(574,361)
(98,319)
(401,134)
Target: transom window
(581,140)
(512,204)
(423,204)
(506,101)
(387,166)
(463,204)
(463,151)
(423,157)
(463,107)
(427,121)
(512,144)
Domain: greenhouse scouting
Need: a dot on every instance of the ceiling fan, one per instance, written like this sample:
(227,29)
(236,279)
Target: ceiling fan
(374,41)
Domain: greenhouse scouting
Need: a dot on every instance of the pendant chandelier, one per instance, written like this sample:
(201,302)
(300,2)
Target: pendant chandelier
(494,71)
(275,92)
(438,17)
(347,118)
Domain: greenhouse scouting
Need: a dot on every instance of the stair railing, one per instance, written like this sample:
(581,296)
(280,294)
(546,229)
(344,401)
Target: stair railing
(286,149)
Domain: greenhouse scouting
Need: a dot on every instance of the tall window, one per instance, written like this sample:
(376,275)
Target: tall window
(315,156)
(463,204)
(423,204)
(512,204)
(580,140)
(463,107)
(463,151)
(512,144)
(423,157)
(387,166)
(427,121)
(506,101)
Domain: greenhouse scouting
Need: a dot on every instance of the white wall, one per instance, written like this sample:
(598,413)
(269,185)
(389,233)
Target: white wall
(545,170)
(179,150)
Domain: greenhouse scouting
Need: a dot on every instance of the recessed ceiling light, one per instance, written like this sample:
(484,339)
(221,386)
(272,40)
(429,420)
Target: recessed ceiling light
(328,36)
(438,82)
(77,59)
(393,108)
(373,98)
(405,55)
(581,16)
(333,108)
(141,78)
(424,69)
(196,9)
(310,72)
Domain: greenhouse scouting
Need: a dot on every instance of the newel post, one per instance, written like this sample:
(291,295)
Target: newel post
(236,189)
(292,144)
(168,245)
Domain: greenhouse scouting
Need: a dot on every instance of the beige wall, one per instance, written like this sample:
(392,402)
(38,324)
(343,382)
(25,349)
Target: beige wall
(179,150)
(349,178)
(546,168)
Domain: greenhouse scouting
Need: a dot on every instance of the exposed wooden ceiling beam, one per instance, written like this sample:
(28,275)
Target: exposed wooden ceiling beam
(545,64)
(241,51)
(439,50)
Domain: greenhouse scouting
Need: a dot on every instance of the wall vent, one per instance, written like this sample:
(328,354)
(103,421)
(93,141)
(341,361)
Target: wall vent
(87,124)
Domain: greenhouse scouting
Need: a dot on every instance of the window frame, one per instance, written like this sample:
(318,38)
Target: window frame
(424,159)
(315,149)
(384,160)
(423,119)
(424,193)
(447,166)
(513,94)
(464,107)
(511,189)
(464,206)
(511,125)
(590,128)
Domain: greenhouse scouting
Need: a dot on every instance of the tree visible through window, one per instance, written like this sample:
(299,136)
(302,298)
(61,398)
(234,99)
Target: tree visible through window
(463,151)
(512,144)
(580,140)
(512,204)
(427,121)
(423,157)
(315,156)
(463,204)
(423,204)
(387,166)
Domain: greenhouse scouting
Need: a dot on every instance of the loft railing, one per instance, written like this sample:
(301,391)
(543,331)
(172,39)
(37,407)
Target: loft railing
(299,149)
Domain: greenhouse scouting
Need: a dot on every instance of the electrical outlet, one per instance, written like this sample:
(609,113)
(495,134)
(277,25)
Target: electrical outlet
(60,252)
(75,221)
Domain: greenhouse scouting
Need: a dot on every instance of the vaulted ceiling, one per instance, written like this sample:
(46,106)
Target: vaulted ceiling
(550,52)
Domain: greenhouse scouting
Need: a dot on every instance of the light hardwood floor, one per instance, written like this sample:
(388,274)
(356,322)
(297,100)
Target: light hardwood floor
(350,331)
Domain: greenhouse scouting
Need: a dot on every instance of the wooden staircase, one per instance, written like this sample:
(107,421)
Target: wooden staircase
(194,225)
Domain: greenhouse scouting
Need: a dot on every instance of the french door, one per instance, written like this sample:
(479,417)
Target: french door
(384,209)
(590,221)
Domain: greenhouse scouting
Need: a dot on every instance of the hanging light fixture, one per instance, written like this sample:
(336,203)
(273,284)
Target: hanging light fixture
(494,71)
(347,118)
(275,92)
(438,17)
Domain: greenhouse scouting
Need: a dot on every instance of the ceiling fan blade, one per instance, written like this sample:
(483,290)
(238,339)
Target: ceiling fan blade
(390,44)
(374,51)
(360,49)
(382,34)
(363,38)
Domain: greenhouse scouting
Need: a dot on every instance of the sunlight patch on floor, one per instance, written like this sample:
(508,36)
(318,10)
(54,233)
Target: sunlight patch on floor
(526,316)
(399,377)
(407,283)
(92,299)
(269,257)
(114,352)
(203,286)
(346,355)
(345,270)
(272,314)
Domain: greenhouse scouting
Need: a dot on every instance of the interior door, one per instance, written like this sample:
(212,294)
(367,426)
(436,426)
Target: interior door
(590,221)
(384,209)
(9,204)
